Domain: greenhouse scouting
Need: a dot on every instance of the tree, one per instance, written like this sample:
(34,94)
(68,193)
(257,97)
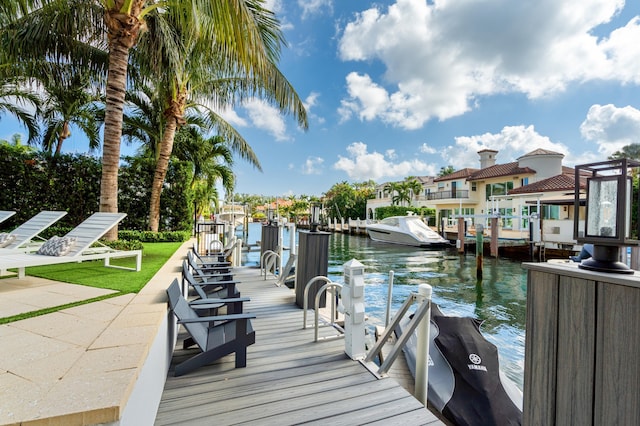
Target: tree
(399,192)
(414,186)
(72,31)
(66,103)
(17,102)
(211,159)
(344,200)
(194,66)
(444,171)
(631,151)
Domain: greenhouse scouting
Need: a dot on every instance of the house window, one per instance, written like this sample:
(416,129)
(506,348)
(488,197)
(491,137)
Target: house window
(527,211)
(524,181)
(501,188)
(551,212)
(473,186)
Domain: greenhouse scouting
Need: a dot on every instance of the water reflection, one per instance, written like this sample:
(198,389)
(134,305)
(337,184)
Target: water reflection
(498,299)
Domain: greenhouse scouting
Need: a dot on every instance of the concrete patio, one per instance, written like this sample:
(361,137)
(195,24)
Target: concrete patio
(88,364)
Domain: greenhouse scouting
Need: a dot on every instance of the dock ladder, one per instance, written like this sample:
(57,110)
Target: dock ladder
(419,322)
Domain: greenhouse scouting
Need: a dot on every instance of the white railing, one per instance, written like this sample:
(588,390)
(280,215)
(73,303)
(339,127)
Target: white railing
(333,289)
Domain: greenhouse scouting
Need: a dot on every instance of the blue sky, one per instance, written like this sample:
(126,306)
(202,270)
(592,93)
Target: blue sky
(405,87)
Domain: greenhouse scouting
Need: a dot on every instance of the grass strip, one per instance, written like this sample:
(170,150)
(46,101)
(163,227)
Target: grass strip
(95,274)
(52,309)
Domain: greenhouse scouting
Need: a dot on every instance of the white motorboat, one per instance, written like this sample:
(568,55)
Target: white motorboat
(406,230)
(232,214)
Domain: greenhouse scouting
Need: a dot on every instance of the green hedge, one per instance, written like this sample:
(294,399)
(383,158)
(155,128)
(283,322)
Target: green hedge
(32,181)
(154,237)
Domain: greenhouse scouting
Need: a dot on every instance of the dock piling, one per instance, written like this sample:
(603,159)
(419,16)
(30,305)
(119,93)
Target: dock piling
(479,250)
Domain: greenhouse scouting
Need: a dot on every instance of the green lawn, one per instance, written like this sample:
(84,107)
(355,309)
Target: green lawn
(94,273)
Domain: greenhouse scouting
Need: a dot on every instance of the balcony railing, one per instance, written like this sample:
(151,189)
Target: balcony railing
(443,195)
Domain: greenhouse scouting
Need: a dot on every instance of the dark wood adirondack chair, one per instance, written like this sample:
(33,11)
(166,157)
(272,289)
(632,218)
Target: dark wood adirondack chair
(205,286)
(208,271)
(216,336)
(210,259)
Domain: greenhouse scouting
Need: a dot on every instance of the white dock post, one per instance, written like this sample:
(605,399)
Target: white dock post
(292,239)
(422,348)
(387,317)
(353,302)
(280,245)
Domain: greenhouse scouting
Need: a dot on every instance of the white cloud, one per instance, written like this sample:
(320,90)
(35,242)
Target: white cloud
(310,102)
(362,165)
(611,128)
(312,166)
(273,5)
(440,57)
(511,143)
(313,7)
(391,154)
(232,117)
(426,149)
(268,118)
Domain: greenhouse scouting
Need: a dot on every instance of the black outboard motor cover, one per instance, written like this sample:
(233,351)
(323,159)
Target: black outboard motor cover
(478,397)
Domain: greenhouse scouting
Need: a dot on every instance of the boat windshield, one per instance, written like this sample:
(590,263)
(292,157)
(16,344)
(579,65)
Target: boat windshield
(419,228)
(390,221)
(416,224)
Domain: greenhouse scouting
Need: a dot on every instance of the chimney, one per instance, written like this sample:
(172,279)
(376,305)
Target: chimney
(487,158)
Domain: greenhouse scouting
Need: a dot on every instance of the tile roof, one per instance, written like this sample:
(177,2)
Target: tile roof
(563,182)
(541,151)
(458,174)
(498,170)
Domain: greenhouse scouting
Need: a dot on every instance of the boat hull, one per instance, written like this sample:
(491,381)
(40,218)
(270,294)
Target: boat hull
(406,230)
(385,236)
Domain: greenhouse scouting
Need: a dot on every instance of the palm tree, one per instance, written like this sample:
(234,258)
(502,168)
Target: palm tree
(211,159)
(399,192)
(414,187)
(631,151)
(18,102)
(444,171)
(147,123)
(73,31)
(40,47)
(68,103)
(196,68)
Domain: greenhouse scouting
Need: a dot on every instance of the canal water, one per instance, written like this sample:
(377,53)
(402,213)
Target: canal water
(499,299)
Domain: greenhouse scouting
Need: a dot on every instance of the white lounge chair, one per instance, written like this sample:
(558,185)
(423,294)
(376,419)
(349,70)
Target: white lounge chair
(19,238)
(85,234)
(4,215)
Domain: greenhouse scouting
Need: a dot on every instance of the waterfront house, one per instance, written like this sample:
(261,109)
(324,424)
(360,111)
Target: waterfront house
(537,185)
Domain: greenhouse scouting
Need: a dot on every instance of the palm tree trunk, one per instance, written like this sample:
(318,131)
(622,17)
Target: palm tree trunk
(64,134)
(123,30)
(175,119)
(115,94)
(162,165)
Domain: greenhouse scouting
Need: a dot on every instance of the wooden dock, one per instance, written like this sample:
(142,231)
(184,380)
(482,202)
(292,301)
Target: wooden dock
(289,378)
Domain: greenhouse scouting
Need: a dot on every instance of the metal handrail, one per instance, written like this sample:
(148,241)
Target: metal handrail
(305,302)
(329,287)
(268,261)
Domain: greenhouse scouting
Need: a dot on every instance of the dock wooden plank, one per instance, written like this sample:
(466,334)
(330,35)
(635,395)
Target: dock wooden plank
(289,378)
